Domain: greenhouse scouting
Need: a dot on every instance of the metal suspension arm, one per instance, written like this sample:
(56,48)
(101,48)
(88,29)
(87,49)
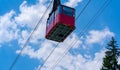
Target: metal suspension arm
(56,3)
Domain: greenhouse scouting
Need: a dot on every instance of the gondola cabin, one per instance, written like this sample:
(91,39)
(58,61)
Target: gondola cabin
(60,23)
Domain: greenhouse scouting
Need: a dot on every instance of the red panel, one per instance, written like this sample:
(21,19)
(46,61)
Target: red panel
(60,19)
(66,20)
(50,27)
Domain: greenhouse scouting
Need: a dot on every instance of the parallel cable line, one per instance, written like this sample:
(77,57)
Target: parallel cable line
(31,34)
(58,43)
(48,56)
(99,12)
(83,9)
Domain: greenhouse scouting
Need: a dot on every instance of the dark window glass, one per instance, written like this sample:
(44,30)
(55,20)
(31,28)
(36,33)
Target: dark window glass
(59,10)
(51,18)
(68,11)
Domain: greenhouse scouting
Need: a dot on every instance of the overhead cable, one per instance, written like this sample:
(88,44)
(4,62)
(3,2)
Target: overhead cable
(31,34)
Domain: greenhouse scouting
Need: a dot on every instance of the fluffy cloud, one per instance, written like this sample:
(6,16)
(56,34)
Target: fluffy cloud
(23,37)
(73,3)
(18,26)
(119,60)
(29,15)
(28,18)
(46,44)
(42,1)
(98,36)
(75,62)
(8,28)
(78,62)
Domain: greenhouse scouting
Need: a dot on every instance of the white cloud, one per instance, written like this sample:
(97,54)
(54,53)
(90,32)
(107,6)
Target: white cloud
(98,36)
(23,37)
(19,25)
(45,45)
(73,3)
(74,62)
(29,15)
(73,41)
(11,23)
(118,60)
(42,52)
(42,1)
(78,62)
(39,34)
(8,28)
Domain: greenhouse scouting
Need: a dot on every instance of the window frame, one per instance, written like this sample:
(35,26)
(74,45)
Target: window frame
(64,11)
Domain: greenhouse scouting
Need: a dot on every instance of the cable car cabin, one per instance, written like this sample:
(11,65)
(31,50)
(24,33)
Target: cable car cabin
(60,23)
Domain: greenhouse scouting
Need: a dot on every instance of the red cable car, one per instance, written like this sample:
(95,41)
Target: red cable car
(61,22)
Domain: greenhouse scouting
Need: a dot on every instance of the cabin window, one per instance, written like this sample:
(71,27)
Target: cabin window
(68,11)
(65,10)
(59,10)
(51,18)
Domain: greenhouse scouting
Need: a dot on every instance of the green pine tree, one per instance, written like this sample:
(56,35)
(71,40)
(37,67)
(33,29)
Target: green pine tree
(111,56)
(119,66)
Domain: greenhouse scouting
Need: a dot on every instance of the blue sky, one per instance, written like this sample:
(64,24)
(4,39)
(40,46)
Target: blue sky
(19,17)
